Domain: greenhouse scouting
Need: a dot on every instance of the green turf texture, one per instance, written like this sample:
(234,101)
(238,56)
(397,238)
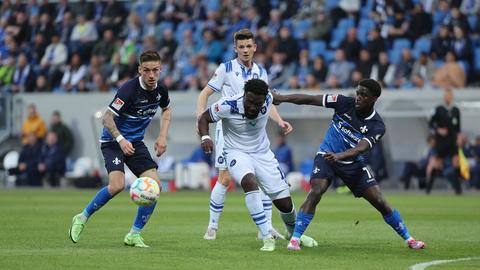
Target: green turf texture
(34,226)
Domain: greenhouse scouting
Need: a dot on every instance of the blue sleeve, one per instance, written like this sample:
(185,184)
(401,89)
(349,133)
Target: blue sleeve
(121,100)
(339,103)
(164,98)
(375,133)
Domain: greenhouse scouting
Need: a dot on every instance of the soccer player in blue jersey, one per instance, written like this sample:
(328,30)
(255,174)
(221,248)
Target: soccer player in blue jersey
(354,129)
(125,121)
(229,79)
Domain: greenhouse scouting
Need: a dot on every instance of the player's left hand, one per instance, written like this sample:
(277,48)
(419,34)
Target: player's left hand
(285,126)
(160,146)
(331,157)
(207,146)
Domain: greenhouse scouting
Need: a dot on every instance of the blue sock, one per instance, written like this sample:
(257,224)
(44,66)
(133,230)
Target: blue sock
(396,222)
(102,197)
(143,215)
(301,224)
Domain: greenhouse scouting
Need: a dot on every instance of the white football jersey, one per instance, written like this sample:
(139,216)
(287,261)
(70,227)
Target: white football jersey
(230,77)
(239,132)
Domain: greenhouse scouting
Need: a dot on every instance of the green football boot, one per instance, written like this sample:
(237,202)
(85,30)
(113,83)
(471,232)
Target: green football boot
(134,240)
(268,244)
(76,229)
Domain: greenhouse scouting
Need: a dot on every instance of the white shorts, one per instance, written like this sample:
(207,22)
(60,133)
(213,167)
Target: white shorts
(265,167)
(220,162)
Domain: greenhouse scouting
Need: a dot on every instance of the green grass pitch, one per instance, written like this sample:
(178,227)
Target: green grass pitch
(34,225)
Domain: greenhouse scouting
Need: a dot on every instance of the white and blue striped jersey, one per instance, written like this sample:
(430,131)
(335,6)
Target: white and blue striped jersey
(239,132)
(347,129)
(135,107)
(230,77)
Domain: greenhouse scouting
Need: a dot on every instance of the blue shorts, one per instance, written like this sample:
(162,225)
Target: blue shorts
(356,175)
(138,163)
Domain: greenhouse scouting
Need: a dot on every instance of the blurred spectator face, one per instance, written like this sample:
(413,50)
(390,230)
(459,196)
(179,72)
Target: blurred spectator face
(44,18)
(245,49)
(443,5)
(21,18)
(284,32)
(339,55)
(41,82)
(461,140)
(108,35)
(51,138)
(277,58)
(75,61)
(168,34)
(32,111)
(34,20)
(423,59)
(251,13)
(81,19)
(56,118)
(364,55)
(150,72)
(275,15)
(447,97)
(22,60)
(383,58)
(443,31)
(373,34)
(450,57)
(187,36)
(406,54)
(455,12)
(318,62)
(352,34)
(31,139)
(55,38)
(39,39)
(207,35)
(310,81)
(304,57)
(151,17)
(458,32)
(356,76)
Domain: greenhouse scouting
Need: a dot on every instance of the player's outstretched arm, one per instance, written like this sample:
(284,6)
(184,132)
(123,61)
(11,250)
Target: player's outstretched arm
(109,124)
(284,125)
(203,100)
(360,148)
(202,124)
(299,99)
(161,142)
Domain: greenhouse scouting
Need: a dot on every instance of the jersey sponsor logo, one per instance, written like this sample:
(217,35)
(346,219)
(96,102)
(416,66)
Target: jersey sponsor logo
(216,108)
(144,101)
(147,112)
(364,129)
(116,161)
(347,132)
(348,116)
(220,160)
(118,103)
(253,123)
(332,98)
(316,170)
(233,162)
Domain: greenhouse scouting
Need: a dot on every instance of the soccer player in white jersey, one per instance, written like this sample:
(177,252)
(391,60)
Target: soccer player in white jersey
(229,79)
(248,155)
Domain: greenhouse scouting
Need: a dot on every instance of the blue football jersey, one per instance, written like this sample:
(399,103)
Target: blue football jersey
(347,129)
(135,107)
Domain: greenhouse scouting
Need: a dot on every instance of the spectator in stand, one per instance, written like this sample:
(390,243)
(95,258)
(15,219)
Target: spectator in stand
(133,29)
(351,46)
(74,72)
(254,20)
(61,8)
(66,28)
(209,46)
(456,19)
(339,71)
(84,35)
(52,160)
(37,49)
(418,169)
(118,71)
(399,28)
(64,134)
(287,45)
(6,74)
(274,23)
(41,84)
(321,26)
(364,64)
(45,27)
(277,73)
(450,74)
(383,71)
(54,59)
(441,44)
(167,46)
(113,16)
(470,7)
(461,45)
(283,153)
(319,69)
(375,44)
(421,21)
(28,162)
(34,124)
(105,47)
(303,67)
(83,8)
(422,71)
(24,76)
(403,70)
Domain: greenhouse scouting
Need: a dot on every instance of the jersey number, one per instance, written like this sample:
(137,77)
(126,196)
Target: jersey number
(368,172)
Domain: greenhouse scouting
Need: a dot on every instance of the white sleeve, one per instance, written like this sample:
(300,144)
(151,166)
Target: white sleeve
(220,109)
(218,78)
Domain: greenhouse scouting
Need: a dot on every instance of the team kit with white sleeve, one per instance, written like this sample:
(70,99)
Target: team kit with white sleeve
(246,145)
(229,79)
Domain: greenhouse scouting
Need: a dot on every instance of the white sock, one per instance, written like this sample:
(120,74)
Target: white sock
(217,199)
(289,220)
(254,204)
(267,207)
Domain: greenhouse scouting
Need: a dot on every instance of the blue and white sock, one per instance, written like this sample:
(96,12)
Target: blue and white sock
(395,221)
(143,215)
(303,220)
(255,207)
(289,220)
(100,199)
(267,207)
(217,200)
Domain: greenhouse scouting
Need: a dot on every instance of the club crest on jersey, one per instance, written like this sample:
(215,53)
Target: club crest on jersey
(237,73)
(116,161)
(220,160)
(364,129)
(158,97)
(216,108)
(332,98)
(253,123)
(263,110)
(118,104)
(233,162)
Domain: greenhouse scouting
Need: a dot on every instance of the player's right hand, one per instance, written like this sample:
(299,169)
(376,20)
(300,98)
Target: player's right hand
(277,99)
(207,146)
(127,147)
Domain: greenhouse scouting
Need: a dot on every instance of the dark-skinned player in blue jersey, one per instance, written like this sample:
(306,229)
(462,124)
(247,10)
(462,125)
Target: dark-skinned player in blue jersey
(125,121)
(354,129)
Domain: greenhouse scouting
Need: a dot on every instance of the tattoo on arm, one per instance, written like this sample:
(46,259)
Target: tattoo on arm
(109,124)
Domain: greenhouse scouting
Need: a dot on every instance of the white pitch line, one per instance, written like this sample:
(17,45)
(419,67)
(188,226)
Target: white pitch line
(421,266)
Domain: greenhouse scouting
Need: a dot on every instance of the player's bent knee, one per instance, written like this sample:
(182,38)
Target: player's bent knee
(249,183)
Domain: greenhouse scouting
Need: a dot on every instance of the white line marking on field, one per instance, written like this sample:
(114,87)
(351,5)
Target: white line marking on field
(421,266)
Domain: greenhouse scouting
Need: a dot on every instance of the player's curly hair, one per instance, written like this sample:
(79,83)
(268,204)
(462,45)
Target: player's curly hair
(256,86)
(372,85)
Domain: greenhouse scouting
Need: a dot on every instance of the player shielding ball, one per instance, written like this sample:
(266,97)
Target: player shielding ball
(248,155)
(125,121)
(354,129)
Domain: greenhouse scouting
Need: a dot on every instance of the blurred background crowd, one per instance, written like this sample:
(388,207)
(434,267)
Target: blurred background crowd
(92,46)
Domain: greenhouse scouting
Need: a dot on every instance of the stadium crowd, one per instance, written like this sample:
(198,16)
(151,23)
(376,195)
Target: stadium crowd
(92,46)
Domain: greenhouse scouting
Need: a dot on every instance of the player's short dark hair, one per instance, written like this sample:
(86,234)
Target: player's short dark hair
(149,56)
(372,86)
(243,34)
(256,86)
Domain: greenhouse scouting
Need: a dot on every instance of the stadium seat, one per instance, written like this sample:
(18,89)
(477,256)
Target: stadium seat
(465,66)
(401,43)
(316,47)
(346,23)
(331,4)
(338,35)
(300,27)
(421,45)
(472,21)
(395,55)
(477,59)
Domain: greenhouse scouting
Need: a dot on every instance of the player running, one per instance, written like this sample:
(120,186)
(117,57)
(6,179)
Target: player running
(249,158)
(355,128)
(229,79)
(125,121)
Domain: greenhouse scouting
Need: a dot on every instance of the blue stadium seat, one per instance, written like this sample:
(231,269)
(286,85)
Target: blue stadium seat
(421,45)
(331,4)
(465,66)
(395,55)
(329,56)
(472,21)
(316,47)
(181,27)
(338,35)
(477,59)
(346,23)
(401,43)
(300,27)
